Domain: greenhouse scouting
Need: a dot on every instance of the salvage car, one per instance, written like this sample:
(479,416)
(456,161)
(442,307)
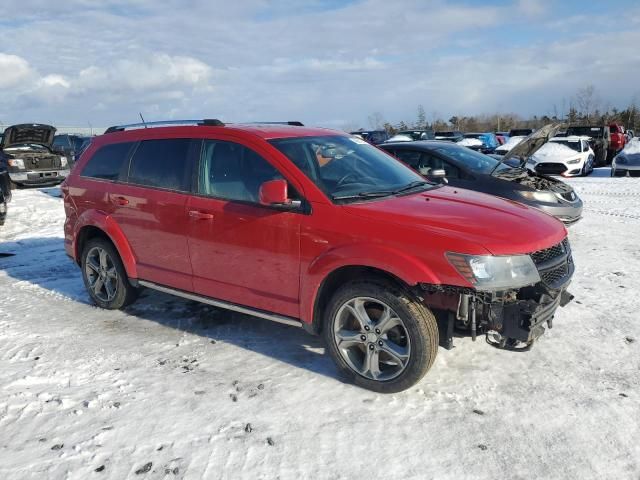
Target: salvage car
(27,149)
(566,156)
(627,162)
(317,229)
(450,136)
(374,137)
(599,139)
(465,168)
(480,142)
(71,146)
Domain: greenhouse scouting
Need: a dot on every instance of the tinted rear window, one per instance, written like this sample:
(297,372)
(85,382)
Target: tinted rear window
(162,163)
(107,162)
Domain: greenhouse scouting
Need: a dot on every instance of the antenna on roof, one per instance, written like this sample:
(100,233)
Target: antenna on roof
(142,118)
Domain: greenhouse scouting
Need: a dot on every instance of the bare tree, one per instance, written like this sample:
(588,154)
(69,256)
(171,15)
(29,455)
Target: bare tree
(376,121)
(587,101)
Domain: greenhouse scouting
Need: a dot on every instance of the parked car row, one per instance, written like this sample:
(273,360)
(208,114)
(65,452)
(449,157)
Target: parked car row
(324,231)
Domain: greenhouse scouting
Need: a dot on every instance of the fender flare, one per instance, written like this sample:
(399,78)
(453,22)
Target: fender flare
(106,223)
(407,268)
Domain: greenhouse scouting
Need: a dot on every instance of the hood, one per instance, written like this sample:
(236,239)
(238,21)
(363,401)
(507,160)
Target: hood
(28,133)
(532,143)
(555,152)
(500,226)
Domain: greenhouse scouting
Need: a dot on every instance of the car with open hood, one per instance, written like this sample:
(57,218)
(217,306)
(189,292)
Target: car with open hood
(627,162)
(566,156)
(28,151)
(316,229)
(505,176)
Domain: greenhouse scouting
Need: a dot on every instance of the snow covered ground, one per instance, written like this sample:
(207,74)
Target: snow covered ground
(173,389)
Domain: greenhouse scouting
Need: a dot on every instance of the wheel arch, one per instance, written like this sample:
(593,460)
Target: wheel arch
(95,224)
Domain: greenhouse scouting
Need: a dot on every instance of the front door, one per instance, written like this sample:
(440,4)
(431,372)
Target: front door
(241,251)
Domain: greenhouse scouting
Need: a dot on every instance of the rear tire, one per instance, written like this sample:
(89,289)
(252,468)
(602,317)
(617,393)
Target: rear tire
(104,275)
(406,335)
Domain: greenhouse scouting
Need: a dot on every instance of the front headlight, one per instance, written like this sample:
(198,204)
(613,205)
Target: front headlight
(16,162)
(546,197)
(574,161)
(489,272)
(63,161)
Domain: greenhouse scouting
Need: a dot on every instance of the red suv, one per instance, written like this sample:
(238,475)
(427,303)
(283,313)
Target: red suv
(313,228)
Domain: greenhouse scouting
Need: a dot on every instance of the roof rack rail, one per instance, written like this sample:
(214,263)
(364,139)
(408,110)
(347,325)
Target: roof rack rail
(209,122)
(294,123)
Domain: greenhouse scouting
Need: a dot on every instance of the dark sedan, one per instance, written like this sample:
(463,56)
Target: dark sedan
(472,170)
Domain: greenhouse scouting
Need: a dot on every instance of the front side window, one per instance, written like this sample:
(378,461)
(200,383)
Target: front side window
(347,167)
(232,171)
(107,162)
(162,163)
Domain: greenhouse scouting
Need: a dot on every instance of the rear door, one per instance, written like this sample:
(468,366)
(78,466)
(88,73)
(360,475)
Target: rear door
(241,251)
(151,209)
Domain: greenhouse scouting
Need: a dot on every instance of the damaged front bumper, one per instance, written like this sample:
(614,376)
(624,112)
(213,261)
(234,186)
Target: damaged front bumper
(514,318)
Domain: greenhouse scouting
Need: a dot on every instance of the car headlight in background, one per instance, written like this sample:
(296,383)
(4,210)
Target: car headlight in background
(574,161)
(63,161)
(16,162)
(489,272)
(620,160)
(547,197)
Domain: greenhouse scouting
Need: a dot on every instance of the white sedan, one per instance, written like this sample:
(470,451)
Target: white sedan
(566,156)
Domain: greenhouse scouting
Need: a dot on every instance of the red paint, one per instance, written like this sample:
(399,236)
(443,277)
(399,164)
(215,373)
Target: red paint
(276,260)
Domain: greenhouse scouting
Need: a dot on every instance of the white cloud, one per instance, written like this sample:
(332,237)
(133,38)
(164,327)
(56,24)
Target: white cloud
(14,70)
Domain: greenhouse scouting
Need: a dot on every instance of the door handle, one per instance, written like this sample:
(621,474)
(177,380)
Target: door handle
(119,201)
(196,215)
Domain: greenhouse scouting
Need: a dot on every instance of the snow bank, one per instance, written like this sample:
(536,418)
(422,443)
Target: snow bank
(470,142)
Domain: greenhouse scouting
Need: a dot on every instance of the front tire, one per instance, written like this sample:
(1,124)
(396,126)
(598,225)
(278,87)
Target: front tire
(380,336)
(104,275)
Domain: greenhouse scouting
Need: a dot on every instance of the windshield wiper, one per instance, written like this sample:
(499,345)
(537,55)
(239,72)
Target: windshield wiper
(411,186)
(372,194)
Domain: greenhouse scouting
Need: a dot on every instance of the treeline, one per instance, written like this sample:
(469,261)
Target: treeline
(583,108)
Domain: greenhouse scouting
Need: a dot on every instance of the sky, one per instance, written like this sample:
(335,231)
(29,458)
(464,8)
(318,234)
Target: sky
(324,62)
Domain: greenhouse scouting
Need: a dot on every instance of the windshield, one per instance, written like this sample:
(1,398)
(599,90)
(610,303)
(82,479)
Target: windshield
(345,167)
(472,135)
(572,144)
(474,161)
(447,134)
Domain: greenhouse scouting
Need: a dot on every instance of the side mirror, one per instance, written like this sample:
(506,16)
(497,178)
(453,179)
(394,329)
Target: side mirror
(273,193)
(438,174)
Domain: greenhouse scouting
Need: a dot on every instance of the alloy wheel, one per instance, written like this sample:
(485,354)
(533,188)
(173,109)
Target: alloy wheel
(101,273)
(371,338)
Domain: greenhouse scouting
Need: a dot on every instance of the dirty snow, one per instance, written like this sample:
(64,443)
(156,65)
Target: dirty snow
(470,142)
(173,389)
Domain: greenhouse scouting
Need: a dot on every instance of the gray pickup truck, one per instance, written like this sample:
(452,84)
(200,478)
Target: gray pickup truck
(28,152)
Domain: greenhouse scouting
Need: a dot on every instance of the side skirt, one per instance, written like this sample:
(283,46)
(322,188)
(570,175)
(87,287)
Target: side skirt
(222,304)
